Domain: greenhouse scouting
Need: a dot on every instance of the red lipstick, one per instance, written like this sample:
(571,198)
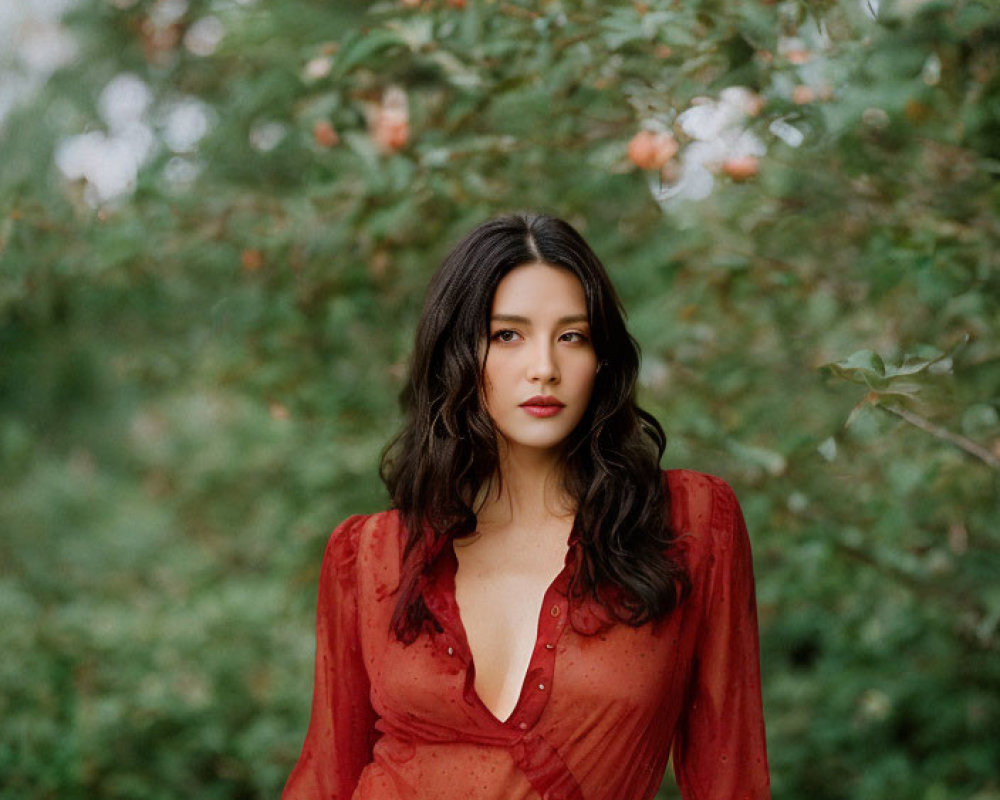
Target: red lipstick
(543,405)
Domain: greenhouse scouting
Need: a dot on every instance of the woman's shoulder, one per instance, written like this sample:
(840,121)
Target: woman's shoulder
(699,488)
(373,540)
(363,531)
(704,512)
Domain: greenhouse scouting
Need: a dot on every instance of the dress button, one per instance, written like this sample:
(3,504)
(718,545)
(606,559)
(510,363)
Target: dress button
(541,686)
(451,651)
(523,726)
(554,611)
(549,645)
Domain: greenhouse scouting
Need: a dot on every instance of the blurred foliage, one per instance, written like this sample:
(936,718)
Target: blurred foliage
(197,376)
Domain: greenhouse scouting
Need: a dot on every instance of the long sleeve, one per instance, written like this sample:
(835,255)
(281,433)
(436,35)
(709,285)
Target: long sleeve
(341,733)
(719,750)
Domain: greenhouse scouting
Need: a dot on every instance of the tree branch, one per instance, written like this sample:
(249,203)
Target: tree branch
(969,446)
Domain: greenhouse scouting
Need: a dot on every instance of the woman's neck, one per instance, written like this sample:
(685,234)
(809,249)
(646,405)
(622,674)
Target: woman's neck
(529,491)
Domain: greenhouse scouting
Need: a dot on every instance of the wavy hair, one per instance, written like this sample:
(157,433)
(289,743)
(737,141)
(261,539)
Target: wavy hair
(447,447)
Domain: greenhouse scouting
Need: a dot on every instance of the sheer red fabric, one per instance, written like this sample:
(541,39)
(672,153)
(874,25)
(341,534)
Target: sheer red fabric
(602,707)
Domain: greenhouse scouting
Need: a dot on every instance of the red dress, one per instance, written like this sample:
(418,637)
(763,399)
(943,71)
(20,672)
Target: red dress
(602,706)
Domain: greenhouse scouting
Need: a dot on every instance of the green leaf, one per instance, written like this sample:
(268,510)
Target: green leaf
(863,366)
(365,46)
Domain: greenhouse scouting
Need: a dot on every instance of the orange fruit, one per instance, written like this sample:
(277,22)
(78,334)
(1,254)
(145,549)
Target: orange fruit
(649,150)
(324,134)
(741,168)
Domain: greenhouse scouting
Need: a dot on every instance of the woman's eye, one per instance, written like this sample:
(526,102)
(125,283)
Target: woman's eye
(504,336)
(574,336)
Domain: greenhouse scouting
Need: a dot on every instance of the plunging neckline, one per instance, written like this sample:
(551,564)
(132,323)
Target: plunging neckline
(550,600)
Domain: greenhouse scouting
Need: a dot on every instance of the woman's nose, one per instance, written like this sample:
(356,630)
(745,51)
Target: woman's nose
(543,367)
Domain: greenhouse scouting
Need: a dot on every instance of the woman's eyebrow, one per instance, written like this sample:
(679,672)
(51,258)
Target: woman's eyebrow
(572,318)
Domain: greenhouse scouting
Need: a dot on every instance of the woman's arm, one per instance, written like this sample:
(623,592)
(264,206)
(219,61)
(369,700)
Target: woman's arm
(341,732)
(719,751)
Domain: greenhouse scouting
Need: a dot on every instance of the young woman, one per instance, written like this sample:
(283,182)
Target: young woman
(543,613)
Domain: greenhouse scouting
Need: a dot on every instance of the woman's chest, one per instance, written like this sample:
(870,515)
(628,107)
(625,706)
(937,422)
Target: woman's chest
(618,671)
(498,607)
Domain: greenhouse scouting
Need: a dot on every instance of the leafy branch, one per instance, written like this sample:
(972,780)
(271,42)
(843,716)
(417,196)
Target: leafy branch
(890,385)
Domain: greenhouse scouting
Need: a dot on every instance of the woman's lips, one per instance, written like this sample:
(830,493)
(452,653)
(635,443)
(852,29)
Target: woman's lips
(542,411)
(542,406)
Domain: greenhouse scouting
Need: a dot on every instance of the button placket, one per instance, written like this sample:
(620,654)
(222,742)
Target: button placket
(549,635)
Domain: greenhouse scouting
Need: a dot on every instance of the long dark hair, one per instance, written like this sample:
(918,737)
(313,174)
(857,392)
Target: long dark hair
(447,447)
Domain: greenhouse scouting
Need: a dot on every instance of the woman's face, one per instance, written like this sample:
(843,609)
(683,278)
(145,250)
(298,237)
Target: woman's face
(541,364)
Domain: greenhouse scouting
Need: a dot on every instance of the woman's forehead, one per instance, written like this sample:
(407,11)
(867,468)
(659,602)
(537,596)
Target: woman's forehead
(539,289)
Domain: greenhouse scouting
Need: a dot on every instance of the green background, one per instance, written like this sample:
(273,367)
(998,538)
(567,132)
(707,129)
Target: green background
(197,374)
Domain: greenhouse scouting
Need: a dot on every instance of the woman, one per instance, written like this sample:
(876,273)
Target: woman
(543,613)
